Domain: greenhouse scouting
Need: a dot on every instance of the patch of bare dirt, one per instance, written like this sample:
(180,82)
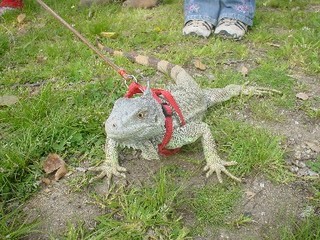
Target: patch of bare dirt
(302,134)
(141,171)
(56,206)
(269,206)
(313,8)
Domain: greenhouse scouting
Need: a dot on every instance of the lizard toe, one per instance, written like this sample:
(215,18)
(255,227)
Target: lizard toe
(218,168)
(108,170)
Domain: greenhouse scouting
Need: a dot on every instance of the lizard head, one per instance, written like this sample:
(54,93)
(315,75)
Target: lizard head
(138,118)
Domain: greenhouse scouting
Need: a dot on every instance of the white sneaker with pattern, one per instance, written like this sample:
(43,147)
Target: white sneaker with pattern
(231,28)
(3,10)
(198,28)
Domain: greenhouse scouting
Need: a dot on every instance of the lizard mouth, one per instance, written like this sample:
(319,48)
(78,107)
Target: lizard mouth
(133,132)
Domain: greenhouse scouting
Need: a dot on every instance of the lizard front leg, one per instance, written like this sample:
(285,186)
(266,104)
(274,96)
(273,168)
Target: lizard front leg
(189,134)
(214,162)
(111,165)
(149,152)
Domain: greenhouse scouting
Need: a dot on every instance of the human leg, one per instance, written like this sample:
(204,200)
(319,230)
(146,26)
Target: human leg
(200,16)
(235,17)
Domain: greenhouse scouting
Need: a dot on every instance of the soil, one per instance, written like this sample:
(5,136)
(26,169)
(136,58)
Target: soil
(57,206)
(269,205)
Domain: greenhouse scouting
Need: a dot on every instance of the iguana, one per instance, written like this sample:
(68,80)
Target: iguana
(139,122)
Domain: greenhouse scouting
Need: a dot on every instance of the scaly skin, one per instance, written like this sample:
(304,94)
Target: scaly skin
(139,122)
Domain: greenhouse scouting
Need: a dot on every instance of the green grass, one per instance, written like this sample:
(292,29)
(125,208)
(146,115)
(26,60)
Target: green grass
(212,204)
(252,149)
(65,114)
(308,229)
(53,121)
(137,213)
(13,225)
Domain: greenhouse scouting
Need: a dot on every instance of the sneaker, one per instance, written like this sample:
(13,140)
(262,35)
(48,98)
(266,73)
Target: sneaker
(3,10)
(231,28)
(198,28)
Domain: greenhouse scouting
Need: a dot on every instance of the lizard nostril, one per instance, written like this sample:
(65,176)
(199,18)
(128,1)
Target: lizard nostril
(114,125)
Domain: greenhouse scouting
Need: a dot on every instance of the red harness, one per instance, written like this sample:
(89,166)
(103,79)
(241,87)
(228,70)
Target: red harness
(167,108)
(12,3)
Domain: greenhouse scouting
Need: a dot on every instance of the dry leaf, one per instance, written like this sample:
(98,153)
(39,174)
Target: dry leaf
(108,34)
(8,100)
(46,181)
(47,190)
(41,59)
(302,96)
(21,17)
(244,71)
(81,169)
(62,171)
(199,65)
(52,163)
(100,46)
(250,194)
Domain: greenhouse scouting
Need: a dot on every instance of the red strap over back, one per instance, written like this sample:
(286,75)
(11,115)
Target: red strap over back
(136,88)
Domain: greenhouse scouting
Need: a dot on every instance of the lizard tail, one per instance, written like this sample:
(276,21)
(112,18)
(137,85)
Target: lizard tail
(176,72)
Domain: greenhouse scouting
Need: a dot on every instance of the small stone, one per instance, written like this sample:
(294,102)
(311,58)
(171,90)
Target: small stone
(299,164)
(302,164)
(307,212)
(46,181)
(248,214)
(313,146)
(81,169)
(302,96)
(244,71)
(291,141)
(298,155)
(294,169)
(312,173)
(8,100)
(303,172)
(210,77)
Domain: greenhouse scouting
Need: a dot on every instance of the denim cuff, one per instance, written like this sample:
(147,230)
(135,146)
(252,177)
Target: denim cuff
(200,17)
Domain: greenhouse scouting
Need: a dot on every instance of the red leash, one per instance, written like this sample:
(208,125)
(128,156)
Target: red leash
(167,108)
(119,70)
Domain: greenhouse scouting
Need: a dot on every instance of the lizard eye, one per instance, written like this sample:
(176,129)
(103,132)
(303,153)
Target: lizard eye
(142,114)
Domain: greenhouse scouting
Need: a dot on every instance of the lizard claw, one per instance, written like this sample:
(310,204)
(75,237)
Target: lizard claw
(220,167)
(108,170)
(259,91)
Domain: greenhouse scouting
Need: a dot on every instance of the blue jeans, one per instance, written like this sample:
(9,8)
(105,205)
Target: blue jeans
(212,11)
